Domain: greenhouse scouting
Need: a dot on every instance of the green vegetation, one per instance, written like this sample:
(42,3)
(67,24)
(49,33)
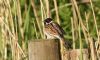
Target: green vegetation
(21,21)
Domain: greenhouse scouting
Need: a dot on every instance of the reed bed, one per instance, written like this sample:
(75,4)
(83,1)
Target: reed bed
(22,20)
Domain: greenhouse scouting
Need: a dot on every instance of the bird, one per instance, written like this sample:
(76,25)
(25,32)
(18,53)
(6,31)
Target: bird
(54,30)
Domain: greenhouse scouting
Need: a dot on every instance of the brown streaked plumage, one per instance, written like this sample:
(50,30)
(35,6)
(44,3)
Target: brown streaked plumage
(53,29)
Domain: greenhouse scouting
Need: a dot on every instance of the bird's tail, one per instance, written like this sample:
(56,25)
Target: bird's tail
(65,43)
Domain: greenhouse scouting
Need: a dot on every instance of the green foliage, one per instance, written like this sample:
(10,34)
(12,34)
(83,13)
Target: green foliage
(31,29)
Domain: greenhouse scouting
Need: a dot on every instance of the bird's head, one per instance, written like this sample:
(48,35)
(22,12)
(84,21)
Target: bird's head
(47,21)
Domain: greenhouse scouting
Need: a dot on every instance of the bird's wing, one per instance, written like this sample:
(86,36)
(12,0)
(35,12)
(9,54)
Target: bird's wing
(58,28)
(50,29)
(54,29)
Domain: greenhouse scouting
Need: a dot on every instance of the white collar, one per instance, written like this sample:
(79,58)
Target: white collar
(49,22)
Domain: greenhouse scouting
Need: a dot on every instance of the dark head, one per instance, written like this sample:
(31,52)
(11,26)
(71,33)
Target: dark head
(47,20)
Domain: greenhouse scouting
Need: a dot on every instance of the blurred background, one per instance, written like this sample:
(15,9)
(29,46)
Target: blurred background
(21,21)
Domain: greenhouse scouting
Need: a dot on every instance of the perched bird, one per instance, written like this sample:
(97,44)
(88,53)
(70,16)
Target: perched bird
(53,30)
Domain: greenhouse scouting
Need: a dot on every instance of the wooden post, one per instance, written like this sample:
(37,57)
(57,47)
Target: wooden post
(75,54)
(44,50)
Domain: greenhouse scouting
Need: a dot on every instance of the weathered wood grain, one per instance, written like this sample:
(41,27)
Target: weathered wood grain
(44,50)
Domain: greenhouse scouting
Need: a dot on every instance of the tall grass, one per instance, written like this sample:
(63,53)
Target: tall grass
(22,20)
